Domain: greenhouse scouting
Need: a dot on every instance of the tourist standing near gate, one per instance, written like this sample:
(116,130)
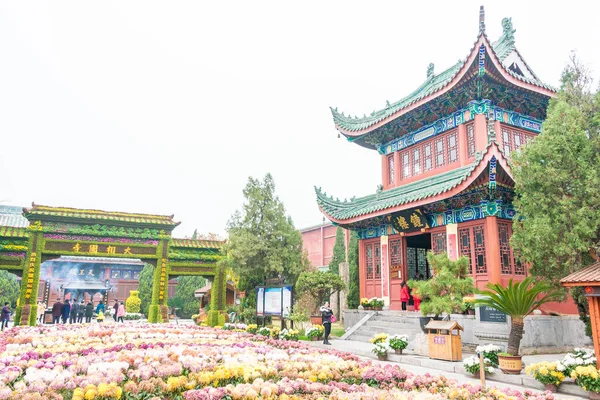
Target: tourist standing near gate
(100,308)
(80,312)
(404,295)
(73,312)
(57,310)
(41,311)
(116,310)
(120,312)
(5,316)
(326,314)
(89,311)
(66,311)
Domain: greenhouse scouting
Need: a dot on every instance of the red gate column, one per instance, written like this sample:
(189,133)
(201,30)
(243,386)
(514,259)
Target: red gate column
(385,272)
(452,241)
(492,247)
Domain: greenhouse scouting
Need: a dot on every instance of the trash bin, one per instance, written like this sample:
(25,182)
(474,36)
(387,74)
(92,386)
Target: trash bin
(444,344)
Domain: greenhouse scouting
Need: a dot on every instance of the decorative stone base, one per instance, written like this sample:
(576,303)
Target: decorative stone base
(421,345)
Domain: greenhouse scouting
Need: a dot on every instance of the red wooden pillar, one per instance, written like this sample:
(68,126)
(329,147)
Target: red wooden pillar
(362,268)
(492,250)
(384,172)
(397,169)
(385,271)
(481,133)
(594,303)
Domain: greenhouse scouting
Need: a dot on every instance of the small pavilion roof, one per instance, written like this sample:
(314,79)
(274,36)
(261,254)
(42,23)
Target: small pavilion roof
(40,212)
(410,195)
(436,85)
(589,276)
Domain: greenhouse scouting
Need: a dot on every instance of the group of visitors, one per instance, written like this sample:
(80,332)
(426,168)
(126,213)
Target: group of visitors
(71,311)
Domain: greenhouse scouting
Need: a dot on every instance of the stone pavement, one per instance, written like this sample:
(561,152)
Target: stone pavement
(454,370)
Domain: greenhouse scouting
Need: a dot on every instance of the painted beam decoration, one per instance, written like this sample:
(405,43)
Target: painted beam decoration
(459,117)
(409,221)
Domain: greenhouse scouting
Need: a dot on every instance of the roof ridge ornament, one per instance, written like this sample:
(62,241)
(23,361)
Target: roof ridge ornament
(481,20)
(430,73)
(508,33)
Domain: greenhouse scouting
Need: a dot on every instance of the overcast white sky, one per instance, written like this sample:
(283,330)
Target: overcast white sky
(168,107)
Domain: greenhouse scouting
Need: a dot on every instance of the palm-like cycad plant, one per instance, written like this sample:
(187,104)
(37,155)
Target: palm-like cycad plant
(518,300)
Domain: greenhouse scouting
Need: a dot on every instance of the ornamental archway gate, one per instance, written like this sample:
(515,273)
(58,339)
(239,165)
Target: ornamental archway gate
(54,232)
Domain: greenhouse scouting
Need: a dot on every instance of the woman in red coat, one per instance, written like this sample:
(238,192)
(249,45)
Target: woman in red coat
(416,299)
(404,295)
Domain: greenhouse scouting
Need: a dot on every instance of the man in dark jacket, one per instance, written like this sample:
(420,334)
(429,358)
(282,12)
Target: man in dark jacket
(73,312)
(115,310)
(66,311)
(57,309)
(326,314)
(80,312)
(5,315)
(89,312)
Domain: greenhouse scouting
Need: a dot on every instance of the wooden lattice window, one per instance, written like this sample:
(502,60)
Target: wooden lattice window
(438,242)
(405,164)
(505,258)
(416,161)
(506,142)
(452,148)
(479,249)
(428,157)
(391,169)
(519,268)
(465,244)
(396,252)
(369,251)
(439,152)
(471,140)
(377,260)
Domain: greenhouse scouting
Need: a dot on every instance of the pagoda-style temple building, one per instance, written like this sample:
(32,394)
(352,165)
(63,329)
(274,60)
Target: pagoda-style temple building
(446,182)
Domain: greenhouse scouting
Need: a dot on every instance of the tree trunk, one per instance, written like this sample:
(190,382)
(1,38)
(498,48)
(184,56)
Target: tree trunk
(515,336)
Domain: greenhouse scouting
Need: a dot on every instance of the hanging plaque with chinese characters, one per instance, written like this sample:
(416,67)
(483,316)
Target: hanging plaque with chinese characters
(409,221)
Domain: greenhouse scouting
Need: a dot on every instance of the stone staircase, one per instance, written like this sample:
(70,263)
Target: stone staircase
(390,322)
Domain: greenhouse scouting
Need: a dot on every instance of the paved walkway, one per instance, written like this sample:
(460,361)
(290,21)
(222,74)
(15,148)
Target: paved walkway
(454,370)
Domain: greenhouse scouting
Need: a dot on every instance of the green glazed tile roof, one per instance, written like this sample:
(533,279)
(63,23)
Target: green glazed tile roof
(98,215)
(197,244)
(504,46)
(11,231)
(422,189)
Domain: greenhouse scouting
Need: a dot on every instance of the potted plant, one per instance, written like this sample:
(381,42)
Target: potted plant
(264,331)
(379,338)
(473,365)
(381,350)
(252,328)
(364,302)
(398,343)
(319,286)
(550,374)
(578,358)
(589,379)
(469,305)
(444,292)
(315,333)
(376,304)
(289,334)
(517,300)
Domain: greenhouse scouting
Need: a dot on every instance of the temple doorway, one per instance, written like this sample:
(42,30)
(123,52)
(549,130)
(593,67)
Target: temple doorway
(416,256)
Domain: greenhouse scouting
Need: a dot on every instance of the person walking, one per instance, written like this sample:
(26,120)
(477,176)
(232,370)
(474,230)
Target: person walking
(41,311)
(416,299)
(116,310)
(404,295)
(66,311)
(120,312)
(57,310)
(73,312)
(5,315)
(81,312)
(89,312)
(326,314)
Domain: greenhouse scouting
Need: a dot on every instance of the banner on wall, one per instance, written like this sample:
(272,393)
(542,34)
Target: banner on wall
(409,221)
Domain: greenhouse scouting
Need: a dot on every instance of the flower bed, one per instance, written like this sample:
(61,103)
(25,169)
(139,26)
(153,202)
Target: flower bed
(144,361)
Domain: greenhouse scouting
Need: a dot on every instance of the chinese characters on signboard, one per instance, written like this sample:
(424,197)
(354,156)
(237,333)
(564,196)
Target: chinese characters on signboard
(409,221)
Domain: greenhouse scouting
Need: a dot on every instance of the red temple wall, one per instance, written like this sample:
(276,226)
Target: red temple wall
(318,242)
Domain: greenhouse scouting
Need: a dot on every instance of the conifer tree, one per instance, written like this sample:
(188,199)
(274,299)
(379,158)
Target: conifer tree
(353,296)
(339,252)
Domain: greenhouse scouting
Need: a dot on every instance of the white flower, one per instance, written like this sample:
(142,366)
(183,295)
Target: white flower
(560,367)
(490,370)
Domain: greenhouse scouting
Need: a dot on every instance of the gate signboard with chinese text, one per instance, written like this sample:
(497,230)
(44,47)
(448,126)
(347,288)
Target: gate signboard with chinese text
(409,221)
